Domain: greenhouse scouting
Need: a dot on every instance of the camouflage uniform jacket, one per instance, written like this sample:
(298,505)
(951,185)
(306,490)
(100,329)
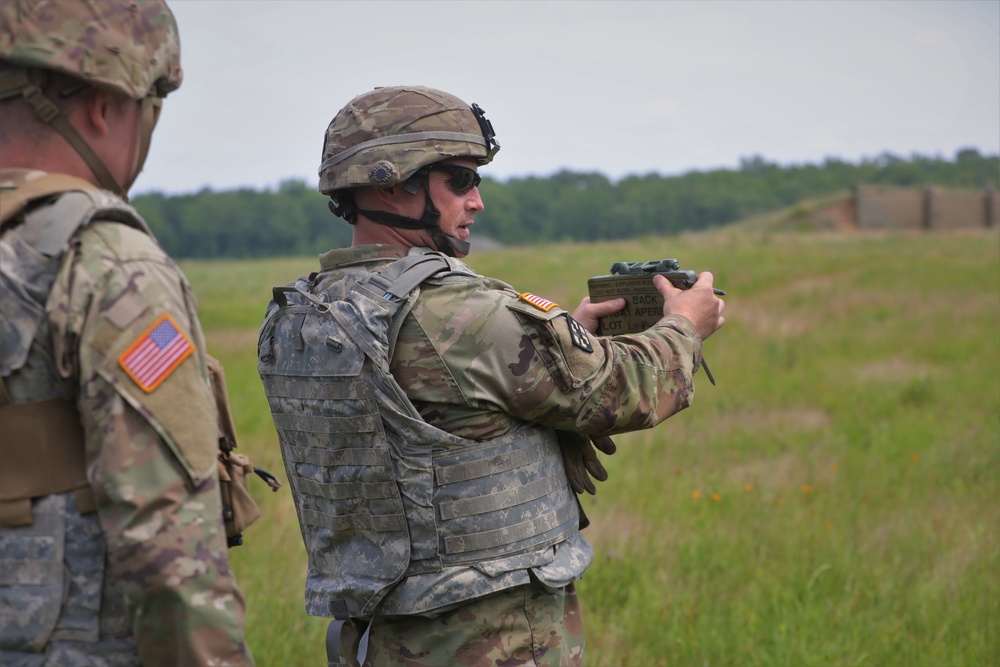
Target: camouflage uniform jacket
(480,362)
(145,578)
(476,359)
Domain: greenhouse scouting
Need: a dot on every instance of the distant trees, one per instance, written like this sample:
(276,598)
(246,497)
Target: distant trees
(292,220)
(568,206)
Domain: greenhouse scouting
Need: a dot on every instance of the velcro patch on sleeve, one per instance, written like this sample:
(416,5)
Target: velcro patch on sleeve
(154,355)
(538,302)
(579,335)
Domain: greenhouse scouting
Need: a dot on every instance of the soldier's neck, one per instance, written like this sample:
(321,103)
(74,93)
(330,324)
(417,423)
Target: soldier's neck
(367,232)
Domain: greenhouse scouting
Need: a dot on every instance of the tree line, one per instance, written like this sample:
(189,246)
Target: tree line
(294,219)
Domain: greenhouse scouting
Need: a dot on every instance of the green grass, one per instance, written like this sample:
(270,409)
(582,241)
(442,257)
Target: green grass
(832,502)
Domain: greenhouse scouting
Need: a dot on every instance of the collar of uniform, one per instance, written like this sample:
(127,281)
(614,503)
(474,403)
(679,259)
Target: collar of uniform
(361,254)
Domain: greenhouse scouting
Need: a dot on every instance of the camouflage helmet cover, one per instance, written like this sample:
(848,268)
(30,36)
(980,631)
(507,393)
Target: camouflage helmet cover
(384,136)
(129,47)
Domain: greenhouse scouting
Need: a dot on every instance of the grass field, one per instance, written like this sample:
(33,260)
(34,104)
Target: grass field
(832,502)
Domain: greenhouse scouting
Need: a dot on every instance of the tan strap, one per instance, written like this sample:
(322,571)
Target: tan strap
(4,394)
(14,201)
(227,429)
(42,449)
(16,513)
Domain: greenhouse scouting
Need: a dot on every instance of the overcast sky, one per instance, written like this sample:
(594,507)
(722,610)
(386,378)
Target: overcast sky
(617,87)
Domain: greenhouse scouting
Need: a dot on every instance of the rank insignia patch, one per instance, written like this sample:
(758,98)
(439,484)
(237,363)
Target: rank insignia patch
(579,335)
(538,302)
(156,353)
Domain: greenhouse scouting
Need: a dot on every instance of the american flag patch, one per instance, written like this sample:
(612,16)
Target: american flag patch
(538,302)
(156,353)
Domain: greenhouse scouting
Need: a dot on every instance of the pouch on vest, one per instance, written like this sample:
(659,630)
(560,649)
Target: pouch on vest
(239,509)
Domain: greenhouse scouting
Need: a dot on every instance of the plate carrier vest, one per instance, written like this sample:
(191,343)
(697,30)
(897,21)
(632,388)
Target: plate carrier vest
(397,514)
(42,428)
(41,441)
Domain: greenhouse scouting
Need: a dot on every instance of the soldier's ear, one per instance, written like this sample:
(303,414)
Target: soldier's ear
(391,198)
(92,114)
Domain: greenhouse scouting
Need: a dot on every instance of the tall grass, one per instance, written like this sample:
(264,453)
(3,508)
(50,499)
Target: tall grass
(832,502)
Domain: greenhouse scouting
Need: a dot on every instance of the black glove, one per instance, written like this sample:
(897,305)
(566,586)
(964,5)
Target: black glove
(580,459)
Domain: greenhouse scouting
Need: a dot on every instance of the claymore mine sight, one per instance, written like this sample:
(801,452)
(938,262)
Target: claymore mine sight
(669,268)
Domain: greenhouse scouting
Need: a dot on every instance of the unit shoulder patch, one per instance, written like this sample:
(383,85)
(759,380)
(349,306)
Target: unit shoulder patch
(579,335)
(538,302)
(154,355)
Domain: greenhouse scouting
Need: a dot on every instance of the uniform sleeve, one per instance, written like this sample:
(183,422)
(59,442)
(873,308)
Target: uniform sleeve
(135,345)
(474,360)
(572,380)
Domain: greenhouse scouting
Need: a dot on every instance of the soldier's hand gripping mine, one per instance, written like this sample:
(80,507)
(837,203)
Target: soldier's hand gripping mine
(656,289)
(699,303)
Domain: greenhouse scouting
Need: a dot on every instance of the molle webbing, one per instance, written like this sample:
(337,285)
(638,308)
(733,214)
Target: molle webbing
(42,449)
(500,497)
(516,465)
(558,519)
(497,501)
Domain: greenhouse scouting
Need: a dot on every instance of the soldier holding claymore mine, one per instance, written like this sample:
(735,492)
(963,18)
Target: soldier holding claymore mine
(435,423)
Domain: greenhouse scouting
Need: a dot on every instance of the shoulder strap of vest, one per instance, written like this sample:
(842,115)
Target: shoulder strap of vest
(403,275)
(50,226)
(14,201)
(408,272)
(398,280)
(4,394)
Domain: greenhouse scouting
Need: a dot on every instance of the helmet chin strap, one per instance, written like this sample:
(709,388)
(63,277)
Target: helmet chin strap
(149,114)
(31,89)
(450,245)
(31,83)
(430,219)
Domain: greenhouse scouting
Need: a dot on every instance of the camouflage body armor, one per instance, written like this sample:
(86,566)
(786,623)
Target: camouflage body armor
(397,515)
(52,548)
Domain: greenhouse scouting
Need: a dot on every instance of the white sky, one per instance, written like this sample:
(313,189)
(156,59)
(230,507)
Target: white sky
(619,87)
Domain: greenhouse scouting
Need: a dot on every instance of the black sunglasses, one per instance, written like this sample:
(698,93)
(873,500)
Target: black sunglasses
(460,179)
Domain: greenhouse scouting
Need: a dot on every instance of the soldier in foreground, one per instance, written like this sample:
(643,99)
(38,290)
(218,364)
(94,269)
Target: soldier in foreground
(112,544)
(436,423)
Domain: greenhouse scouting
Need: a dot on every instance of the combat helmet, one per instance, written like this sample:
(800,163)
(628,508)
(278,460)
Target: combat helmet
(392,135)
(129,47)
